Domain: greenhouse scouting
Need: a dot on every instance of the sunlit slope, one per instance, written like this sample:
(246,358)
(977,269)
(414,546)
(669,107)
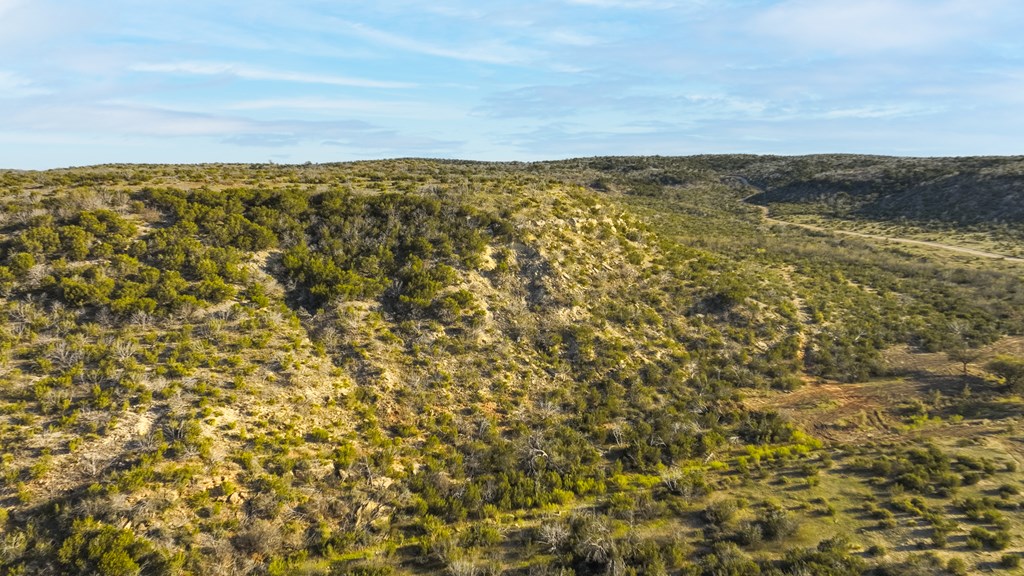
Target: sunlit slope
(427,366)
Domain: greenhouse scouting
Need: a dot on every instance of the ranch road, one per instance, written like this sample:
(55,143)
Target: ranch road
(938,245)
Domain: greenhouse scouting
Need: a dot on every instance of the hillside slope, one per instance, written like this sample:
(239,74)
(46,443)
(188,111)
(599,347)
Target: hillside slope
(962,191)
(418,366)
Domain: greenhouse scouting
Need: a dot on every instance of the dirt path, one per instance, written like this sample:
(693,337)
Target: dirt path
(926,243)
(960,249)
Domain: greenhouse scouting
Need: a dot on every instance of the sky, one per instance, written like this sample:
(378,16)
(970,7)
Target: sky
(189,81)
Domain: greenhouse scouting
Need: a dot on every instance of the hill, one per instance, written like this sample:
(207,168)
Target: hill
(416,366)
(962,191)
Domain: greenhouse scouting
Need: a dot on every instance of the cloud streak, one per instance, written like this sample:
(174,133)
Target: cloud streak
(13,85)
(487,52)
(253,73)
(627,4)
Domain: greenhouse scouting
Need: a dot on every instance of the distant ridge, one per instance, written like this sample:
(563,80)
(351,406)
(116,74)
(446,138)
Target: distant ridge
(954,190)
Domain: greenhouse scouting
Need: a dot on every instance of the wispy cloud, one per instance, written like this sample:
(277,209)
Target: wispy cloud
(628,4)
(123,119)
(627,96)
(374,143)
(569,37)
(134,121)
(871,26)
(564,140)
(549,101)
(878,111)
(253,73)
(13,85)
(358,107)
(503,79)
(490,52)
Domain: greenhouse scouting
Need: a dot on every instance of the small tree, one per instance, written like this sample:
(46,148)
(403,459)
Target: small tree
(963,355)
(1010,369)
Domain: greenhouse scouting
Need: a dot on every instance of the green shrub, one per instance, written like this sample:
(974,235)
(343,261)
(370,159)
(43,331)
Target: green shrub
(957,567)
(981,537)
(96,548)
(1010,369)
(21,263)
(1010,561)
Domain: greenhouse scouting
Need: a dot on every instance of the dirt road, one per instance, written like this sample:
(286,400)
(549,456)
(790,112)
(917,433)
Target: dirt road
(938,245)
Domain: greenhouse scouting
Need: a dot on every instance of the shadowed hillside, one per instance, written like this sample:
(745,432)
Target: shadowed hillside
(950,190)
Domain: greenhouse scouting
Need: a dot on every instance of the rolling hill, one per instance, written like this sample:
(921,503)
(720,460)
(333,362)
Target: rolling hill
(961,191)
(600,365)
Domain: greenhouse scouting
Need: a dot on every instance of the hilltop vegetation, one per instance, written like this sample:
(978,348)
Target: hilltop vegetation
(588,366)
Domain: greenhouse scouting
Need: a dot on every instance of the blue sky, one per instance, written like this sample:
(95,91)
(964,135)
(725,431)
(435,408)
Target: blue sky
(290,82)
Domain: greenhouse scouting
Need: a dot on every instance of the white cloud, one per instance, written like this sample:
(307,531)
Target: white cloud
(118,119)
(489,52)
(253,73)
(571,38)
(626,4)
(878,111)
(132,120)
(870,26)
(391,109)
(9,81)
(14,85)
